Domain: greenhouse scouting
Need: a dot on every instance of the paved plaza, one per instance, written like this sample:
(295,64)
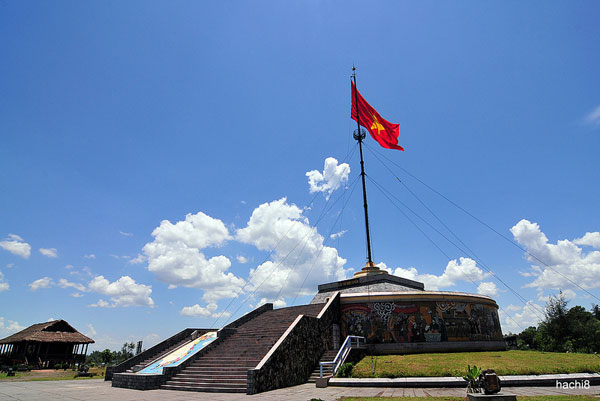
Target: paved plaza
(99,390)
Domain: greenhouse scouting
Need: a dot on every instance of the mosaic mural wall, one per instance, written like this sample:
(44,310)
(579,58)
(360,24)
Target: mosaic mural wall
(402,322)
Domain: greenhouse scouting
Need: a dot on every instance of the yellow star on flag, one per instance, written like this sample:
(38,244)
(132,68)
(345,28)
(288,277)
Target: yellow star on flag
(376,125)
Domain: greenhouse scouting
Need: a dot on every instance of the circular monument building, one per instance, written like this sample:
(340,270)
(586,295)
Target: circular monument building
(397,315)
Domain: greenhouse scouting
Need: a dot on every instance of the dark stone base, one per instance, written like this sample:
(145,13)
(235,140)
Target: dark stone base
(322,382)
(492,397)
(137,381)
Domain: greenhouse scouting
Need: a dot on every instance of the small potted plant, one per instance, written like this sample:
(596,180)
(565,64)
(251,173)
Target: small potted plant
(472,377)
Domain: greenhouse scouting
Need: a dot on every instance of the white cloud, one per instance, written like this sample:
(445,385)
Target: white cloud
(463,270)
(175,256)
(338,234)
(593,118)
(516,318)
(3,284)
(16,245)
(570,267)
(10,327)
(383,266)
(10,265)
(139,259)
(589,239)
(123,292)
(101,304)
(332,178)
(43,282)
(90,256)
(487,288)
(76,295)
(49,252)
(68,266)
(151,340)
(242,259)
(197,230)
(567,294)
(64,283)
(278,303)
(297,249)
(91,330)
(209,311)
(126,234)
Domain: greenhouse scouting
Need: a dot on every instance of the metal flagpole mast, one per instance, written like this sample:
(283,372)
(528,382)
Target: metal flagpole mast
(359,135)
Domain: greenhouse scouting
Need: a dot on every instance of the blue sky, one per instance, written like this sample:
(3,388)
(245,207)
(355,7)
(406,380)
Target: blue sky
(119,119)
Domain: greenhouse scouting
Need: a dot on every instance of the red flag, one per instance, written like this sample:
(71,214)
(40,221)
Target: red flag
(383,131)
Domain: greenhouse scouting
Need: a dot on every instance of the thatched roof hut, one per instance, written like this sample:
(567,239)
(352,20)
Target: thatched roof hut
(45,344)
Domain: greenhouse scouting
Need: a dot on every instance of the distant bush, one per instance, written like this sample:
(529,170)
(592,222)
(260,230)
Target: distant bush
(22,368)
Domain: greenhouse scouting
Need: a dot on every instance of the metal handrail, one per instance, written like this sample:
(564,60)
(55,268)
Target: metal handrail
(342,353)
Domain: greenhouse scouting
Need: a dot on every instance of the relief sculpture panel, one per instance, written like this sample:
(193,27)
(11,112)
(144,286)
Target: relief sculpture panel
(403,322)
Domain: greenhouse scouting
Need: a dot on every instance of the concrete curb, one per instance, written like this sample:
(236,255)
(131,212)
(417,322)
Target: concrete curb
(432,382)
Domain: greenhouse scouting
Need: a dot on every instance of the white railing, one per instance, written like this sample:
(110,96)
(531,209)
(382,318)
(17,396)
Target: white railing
(351,342)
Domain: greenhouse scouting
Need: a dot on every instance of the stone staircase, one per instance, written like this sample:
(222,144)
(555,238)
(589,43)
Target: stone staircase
(224,368)
(328,356)
(160,354)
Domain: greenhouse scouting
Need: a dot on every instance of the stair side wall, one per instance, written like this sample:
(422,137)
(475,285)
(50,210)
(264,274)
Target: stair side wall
(157,349)
(152,382)
(293,358)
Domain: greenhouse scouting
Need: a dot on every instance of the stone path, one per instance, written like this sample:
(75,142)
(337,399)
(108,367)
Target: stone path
(445,382)
(98,390)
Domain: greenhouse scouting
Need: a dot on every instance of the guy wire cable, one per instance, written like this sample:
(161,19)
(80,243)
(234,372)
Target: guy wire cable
(326,239)
(237,292)
(523,300)
(446,255)
(472,254)
(278,265)
(492,229)
(352,187)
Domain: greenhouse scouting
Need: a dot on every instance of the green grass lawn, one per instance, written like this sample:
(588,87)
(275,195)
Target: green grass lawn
(455,364)
(521,398)
(51,374)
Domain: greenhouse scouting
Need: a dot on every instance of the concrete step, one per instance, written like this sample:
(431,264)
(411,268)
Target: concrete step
(212,376)
(205,384)
(207,389)
(224,368)
(204,380)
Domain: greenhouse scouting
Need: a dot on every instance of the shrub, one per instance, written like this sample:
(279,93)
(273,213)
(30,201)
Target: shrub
(22,368)
(345,370)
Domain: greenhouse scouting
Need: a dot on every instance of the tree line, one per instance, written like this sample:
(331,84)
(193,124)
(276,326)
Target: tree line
(564,329)
(108,357)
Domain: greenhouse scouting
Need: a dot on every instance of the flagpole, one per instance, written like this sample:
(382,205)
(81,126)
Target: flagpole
(359,135)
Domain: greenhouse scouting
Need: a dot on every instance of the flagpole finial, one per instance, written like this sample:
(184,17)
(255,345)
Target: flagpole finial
(370,269)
